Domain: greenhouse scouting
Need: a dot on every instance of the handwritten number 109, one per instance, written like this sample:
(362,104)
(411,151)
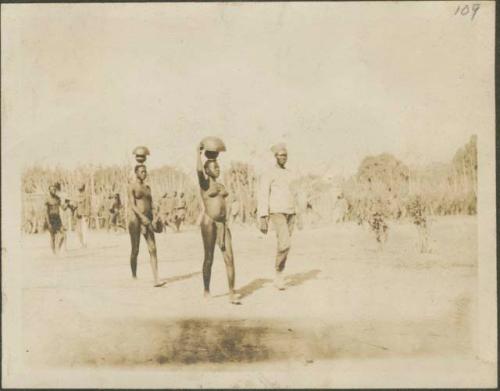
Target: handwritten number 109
(465,10)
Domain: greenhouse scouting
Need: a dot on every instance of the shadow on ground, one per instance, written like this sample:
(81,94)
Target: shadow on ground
(253,286)
(300,278)
(179,278)
(237,341)
(290,281)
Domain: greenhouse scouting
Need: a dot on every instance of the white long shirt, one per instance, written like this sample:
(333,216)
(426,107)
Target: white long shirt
(275,194)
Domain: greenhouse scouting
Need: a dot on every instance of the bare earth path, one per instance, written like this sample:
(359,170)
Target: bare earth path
(344,302)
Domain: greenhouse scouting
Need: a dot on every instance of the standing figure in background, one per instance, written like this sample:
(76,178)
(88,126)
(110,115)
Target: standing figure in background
(180,211)
(29,225)
(67,211)
(102,219)
(235,208)
(115,212)
(277,204)
(166,208)
(82,214)
(172,201)
(214,229)
(162,211)
(53,218)
(141,221)
(252,208)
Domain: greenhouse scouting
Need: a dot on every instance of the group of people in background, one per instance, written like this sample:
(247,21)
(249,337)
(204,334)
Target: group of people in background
(59,208)
(172,209)
(64,214)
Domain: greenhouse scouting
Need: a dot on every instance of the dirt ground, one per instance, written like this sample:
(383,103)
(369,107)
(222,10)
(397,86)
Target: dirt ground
(345,301)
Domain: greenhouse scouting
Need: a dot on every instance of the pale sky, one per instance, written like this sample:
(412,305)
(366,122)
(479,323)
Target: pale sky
(86,83)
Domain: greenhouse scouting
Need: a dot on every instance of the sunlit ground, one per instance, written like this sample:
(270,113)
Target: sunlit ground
(345,300)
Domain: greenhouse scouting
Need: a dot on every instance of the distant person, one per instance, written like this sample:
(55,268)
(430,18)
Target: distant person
(102,216)
(29,221)
(180,211)
(67,211)
(162,209)
(252,209)
(277,204)
(141,221)
(214,229)
(53,217)
(235,209)
(167,210)
(82,214)
(115,212)
(171,203)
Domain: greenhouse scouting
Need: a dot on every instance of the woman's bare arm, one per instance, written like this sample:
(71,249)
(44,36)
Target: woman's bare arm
(202,179)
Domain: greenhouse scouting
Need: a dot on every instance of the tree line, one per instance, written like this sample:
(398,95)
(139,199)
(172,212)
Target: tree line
(382,184)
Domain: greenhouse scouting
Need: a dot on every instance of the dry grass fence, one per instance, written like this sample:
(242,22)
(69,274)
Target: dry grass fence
(382,185)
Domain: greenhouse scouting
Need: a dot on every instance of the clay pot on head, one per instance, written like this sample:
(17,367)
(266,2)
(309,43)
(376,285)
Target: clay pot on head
(211,154)
(140,158)
(213,144)
(140,154)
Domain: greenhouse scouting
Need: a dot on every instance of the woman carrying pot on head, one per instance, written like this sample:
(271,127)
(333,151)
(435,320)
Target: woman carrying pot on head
(214,229)
(140,220)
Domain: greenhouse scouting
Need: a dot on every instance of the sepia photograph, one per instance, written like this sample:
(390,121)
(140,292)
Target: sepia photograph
(248,195)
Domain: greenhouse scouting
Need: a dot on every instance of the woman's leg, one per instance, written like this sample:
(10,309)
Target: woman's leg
(227,252)
(52,240)
(208,234)
(134,230)
(150,240)
(61,234)
(62,239)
